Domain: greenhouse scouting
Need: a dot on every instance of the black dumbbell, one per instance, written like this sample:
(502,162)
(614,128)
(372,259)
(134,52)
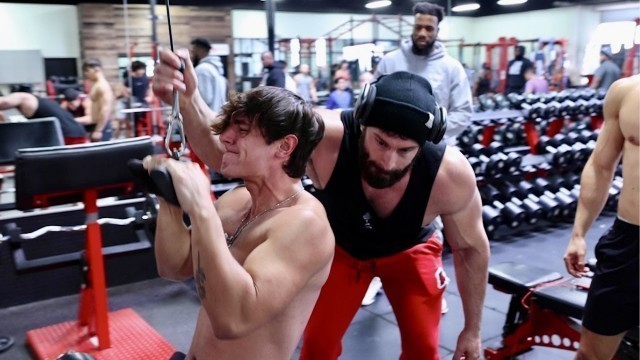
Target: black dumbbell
(516,100)
(567,203)
(567,109)
(595,106)
(307,183)
(491,219)
(533,211)
(559,152)
(508,191)
(550,208)
(488,194)
(535,111)
(552,110)
(492,159)
(486,102)
(476,165)
(511,214)
(614,193)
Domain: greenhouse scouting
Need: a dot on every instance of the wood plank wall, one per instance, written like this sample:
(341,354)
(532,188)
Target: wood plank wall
(103,32)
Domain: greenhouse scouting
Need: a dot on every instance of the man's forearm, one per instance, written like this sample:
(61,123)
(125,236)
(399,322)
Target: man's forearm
(594,190)
(471,265)
(197,125)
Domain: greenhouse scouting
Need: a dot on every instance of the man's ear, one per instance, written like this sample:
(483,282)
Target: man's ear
(287,145)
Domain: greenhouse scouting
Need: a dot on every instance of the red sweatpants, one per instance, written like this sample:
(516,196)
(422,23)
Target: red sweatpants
(413,281)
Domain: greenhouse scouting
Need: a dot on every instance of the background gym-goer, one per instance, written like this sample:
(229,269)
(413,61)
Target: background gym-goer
(102,102)
(306,84)
(33,107)
(425,56)
(482,84)
(259,284)
(535,84)
(612,303)
(211,81)
(383,184)
(340,97)
(515,71)
(606,73)
(273,73)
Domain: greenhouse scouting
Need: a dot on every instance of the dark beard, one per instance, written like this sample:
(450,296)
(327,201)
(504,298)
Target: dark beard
(422,52)
(376,177)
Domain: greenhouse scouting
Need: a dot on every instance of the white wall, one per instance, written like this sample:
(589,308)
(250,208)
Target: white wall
(52,29)
(253,24)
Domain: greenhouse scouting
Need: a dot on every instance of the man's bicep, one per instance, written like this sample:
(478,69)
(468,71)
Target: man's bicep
(464,228)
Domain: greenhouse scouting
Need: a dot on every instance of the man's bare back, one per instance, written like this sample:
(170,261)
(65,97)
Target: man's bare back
(625,96)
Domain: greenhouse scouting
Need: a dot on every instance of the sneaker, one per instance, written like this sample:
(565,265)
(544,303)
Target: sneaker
(445,307)
(372,291)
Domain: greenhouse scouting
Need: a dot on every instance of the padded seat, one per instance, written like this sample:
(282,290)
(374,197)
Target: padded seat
(35,133)
(519,278)
(59,175)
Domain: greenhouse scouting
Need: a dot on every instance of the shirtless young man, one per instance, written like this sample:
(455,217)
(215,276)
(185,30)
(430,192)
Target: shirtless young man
(262,252)
(102,102)
(612,303)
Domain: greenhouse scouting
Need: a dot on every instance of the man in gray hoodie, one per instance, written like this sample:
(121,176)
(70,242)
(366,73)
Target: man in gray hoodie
(424,56)
(211,82)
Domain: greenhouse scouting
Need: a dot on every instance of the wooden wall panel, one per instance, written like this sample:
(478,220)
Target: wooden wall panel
(103,31)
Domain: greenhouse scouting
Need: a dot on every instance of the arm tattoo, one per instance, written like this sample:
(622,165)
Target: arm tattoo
(200,279)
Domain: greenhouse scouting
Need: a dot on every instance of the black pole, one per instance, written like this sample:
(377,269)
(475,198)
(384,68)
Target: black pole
(154,20)
(270,7)
(448,8)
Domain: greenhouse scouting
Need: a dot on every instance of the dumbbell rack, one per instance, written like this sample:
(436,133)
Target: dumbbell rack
(489,159)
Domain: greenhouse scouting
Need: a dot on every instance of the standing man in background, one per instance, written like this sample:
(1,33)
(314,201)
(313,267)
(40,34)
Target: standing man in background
(515,72)
(273,73)
(306,84)
(606,73)
(424,56)
(211,82)
(612,303)
(102,102)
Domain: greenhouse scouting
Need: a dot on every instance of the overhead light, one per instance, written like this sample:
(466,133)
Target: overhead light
(376,4)
(511,2)
(465,7)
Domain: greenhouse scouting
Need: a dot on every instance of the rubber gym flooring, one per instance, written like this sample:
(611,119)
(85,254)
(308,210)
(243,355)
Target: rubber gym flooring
(171,308)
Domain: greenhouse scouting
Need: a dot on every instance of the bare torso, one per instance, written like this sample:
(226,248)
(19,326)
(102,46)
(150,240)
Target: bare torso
(100,96)
(629,118)
(278,338)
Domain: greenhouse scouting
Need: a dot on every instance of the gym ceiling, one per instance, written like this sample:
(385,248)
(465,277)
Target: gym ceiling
(487,7)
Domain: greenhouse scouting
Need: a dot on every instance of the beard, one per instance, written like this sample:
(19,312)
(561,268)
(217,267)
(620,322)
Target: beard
(374,175)
(426,50)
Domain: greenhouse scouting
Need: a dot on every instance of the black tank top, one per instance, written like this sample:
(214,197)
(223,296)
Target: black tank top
(357,228)
(70,128)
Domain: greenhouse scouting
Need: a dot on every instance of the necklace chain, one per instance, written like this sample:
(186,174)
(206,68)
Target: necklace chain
(246,221)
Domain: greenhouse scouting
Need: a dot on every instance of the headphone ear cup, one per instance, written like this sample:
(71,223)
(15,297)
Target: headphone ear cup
(439,125)
(365,102)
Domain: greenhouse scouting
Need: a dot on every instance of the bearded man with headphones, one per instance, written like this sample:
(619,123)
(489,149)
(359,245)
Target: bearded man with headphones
(383,176)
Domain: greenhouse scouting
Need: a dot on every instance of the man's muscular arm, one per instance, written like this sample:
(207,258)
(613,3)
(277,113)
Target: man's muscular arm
(197,115)
(596,179)
(465,233)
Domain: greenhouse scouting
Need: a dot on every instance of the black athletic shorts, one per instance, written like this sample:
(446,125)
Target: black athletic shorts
(612,303)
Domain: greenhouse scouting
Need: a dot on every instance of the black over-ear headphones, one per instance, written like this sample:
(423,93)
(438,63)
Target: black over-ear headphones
(436,123)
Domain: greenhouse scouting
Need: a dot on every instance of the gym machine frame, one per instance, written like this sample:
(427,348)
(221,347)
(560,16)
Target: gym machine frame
(78,173)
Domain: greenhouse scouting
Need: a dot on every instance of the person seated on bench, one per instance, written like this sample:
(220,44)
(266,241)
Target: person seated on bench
(612,302)
(33,107)
(77,104)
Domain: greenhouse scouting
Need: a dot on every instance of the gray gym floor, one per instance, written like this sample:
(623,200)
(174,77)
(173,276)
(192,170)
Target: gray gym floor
(171,308)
